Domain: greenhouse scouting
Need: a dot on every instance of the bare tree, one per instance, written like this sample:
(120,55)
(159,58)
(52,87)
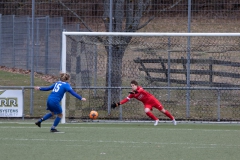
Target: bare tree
(126,17)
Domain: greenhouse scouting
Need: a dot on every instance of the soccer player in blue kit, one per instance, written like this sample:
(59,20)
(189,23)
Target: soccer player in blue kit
(53,102)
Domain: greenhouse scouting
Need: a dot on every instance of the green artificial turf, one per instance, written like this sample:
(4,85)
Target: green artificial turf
(119,141)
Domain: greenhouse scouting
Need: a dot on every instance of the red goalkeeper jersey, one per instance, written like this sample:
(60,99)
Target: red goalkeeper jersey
(142,95)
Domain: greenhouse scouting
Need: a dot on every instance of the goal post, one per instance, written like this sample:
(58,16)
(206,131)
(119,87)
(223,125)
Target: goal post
(149,34)
(160,42)
(63,68)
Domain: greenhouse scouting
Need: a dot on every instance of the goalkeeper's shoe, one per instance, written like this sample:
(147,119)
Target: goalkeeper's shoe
(174,122)
(38,124)
(156,122)
(54,130)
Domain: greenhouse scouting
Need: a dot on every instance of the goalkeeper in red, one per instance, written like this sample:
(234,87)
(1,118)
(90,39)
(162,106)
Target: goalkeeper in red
(148,100)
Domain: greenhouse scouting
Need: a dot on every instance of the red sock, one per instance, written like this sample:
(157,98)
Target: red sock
(169,115)
(149,114)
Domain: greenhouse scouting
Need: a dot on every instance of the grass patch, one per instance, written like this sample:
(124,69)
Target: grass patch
(120,141)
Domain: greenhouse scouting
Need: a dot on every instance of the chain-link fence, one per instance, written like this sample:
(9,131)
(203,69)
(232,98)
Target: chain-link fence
(152,15)
(16,43)
(157,63)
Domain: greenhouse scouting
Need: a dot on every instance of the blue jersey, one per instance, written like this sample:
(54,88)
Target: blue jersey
(58,90)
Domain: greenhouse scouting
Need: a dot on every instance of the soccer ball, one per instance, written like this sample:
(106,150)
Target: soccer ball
(93,115)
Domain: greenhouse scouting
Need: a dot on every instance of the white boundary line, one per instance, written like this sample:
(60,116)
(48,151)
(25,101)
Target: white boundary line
(211,145)
(105,128)
(125,122)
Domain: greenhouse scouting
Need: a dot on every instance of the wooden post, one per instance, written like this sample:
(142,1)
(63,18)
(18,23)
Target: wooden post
(164,67)
(184,67)
(210,70)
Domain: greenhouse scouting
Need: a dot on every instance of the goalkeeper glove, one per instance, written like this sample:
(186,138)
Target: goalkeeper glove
(114,105)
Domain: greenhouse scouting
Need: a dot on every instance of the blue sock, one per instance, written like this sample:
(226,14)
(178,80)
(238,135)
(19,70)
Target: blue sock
(45,117)
(56,122)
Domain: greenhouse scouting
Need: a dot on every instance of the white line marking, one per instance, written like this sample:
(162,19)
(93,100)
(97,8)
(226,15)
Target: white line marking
(90,122)
(188,145)
(165,129)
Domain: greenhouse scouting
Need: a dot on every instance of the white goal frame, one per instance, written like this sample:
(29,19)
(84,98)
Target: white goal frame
(133,34)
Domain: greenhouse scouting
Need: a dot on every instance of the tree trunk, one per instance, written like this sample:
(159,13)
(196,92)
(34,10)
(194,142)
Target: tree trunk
(131,13)
(116,68)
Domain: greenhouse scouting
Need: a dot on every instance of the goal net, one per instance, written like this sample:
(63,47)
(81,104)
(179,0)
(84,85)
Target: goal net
(194,75)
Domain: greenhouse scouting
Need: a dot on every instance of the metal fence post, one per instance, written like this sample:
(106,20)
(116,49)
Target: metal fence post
(23,90)
(60,55)
(46,44)
(32,58)
(218,105)
(95,69)
(110,56)
(36,53)
(13,41)
(188,57)
(28,43)
(120,108)
(169,67)
(0,39)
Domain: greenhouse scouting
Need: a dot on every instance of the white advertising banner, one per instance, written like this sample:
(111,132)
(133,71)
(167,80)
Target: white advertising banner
(11,103)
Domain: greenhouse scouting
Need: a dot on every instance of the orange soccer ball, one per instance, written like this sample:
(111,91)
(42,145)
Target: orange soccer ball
(93,115)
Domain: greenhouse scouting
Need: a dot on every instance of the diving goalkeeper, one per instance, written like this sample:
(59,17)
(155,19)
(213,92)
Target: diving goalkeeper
(148,100)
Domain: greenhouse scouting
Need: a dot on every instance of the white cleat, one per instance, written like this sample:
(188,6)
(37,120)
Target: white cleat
(156,123)
(174,122)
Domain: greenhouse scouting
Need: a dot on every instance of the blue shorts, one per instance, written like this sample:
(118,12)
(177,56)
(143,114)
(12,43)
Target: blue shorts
(54,106)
